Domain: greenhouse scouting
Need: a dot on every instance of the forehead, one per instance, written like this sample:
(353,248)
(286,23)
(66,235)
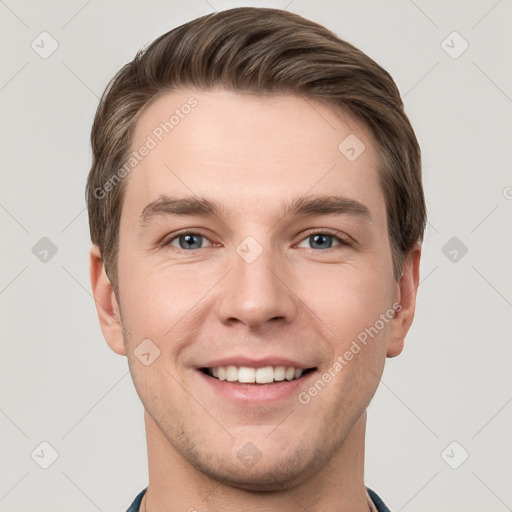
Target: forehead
(254,151)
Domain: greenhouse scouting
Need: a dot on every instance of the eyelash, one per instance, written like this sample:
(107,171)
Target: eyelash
(343,241)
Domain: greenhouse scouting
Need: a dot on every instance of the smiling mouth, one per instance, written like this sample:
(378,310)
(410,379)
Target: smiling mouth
(250,375)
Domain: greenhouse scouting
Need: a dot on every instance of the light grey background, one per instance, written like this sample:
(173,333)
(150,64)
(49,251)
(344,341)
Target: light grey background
(59,381)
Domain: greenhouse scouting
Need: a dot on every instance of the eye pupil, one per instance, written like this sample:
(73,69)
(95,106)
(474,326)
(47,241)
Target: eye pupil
(189,241)
(320,238)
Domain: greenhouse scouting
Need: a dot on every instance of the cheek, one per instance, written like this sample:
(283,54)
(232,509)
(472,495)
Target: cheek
(160,303)
(348,300)
(357,310)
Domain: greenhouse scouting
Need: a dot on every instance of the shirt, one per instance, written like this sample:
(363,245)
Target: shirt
(374,501)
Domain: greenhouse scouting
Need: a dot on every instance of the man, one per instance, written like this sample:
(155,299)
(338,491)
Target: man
(256,210)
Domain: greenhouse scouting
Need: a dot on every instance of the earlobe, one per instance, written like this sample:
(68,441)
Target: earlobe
(106,303)
(407,290)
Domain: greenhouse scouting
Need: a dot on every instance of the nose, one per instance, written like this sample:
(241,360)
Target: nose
(257,292)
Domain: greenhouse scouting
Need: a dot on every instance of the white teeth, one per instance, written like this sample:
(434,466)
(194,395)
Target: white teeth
(264,375)
(246,374)
(289,373)
(279,372)
(231,373)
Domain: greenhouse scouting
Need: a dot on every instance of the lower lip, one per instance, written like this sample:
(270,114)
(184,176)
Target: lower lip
(257,393)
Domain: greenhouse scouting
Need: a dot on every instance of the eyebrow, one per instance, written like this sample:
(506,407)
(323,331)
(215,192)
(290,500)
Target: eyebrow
(300,206)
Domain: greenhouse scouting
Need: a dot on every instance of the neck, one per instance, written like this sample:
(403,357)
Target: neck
(175,485)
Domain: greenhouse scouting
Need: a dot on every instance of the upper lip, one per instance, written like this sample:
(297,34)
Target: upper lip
(255,362)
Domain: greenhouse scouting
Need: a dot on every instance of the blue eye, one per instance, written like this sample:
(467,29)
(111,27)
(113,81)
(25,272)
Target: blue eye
(188,241)
(323,240)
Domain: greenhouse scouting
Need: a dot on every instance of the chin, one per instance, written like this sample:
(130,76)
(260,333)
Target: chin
(256,481)
(265,475)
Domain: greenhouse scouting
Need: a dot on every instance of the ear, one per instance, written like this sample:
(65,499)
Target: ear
(106,303)
(407,289)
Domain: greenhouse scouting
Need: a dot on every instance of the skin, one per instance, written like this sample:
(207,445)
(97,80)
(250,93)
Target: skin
(297,300)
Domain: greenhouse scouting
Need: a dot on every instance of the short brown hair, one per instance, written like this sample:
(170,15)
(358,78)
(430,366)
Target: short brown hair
(261,51)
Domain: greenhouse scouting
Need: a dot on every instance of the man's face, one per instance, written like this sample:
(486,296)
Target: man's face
(253,285)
